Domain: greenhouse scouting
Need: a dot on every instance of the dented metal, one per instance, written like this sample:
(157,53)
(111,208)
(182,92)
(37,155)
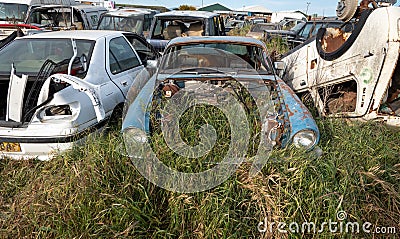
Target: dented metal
(189,63)
(352,75)
(61,98)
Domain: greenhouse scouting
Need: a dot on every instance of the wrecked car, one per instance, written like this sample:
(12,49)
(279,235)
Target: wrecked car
(232,24)
(60,17)
(352,74)
(17,11)
(129,20)
(201,66)
(303,32)
(169,25)
(57,87)
(257,30)
(14,14)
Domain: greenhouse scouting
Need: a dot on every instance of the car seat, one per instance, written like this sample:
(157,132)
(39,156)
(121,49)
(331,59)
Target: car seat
(195,29)
(172,31)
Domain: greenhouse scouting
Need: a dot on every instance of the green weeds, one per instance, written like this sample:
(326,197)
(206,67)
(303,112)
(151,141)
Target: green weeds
(94,192)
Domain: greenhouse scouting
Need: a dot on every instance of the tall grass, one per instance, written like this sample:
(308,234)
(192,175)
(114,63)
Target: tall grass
(94,192)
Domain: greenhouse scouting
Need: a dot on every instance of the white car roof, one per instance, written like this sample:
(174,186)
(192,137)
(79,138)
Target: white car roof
(77,34)
(128,12)
(196,14)
(41,2)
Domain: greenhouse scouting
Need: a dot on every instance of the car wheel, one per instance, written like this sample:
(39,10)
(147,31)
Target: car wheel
(346,9)
(115,121)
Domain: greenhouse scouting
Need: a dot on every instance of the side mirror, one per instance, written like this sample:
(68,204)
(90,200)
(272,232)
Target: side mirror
(152,64)
(279,65)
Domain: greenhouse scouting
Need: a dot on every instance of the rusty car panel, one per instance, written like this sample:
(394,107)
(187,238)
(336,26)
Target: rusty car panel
(348,74)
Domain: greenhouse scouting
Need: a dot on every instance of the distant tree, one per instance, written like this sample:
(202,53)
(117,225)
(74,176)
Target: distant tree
(187,7)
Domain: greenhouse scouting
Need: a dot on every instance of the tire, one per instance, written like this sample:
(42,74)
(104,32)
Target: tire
(346,9)
(115,121)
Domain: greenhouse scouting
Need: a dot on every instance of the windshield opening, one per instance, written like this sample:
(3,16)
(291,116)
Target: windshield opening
(252,55)
(298,27)
(56,18)
(167,29)
(28,55)
(262,27)
(128,24)
(13,12)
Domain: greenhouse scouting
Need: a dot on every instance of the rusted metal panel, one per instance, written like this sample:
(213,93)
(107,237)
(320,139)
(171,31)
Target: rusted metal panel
(369,61)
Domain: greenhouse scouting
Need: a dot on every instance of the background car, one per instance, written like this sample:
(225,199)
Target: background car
(35,16)
(346,81)
(56,87)
(61,17)
(136,20)
(304,31)
(169,25)
(257,30)
(189,61)
(234,24)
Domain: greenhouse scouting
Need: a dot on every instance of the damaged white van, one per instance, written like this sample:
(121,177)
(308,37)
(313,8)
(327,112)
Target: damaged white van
(57,87)
(352,71)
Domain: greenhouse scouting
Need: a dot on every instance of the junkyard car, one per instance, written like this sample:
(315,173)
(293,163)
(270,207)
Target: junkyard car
(302,32)
(229,25)
(257,30)
(187,62)
(169,25)
(55,87)
(353,75)
(14,12)
(60,17)
(129,20)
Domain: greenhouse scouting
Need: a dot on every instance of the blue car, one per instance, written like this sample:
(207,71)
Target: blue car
(190,62)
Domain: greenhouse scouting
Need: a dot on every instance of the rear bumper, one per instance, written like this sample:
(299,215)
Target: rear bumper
(40,151)
(44,147)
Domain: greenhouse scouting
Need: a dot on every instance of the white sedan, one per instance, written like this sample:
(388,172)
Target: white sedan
(56,87)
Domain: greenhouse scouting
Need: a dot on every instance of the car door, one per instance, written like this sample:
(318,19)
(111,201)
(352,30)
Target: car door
(122,63)
(144,49)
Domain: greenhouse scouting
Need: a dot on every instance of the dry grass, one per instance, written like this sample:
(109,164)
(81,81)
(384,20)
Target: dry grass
(93,192)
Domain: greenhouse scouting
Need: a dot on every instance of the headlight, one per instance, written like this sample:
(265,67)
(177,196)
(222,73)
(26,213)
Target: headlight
(133,135)
(305,139)
(134,140)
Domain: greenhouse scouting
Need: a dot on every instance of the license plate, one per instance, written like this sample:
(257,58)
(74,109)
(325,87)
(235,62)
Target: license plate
(10,147)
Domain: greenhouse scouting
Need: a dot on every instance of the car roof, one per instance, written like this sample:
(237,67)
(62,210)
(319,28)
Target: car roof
(324,21)
(199,14)
(128,12)
(78,6)
(76,34)
(224,39)
(266,24)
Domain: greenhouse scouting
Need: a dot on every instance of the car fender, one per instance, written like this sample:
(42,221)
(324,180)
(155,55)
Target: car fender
(299,116)
(137,114)
(91,90)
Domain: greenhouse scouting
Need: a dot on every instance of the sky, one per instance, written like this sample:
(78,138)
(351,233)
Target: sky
(321,7)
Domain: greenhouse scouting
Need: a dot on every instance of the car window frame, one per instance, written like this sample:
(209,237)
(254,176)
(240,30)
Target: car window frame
(111,54)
